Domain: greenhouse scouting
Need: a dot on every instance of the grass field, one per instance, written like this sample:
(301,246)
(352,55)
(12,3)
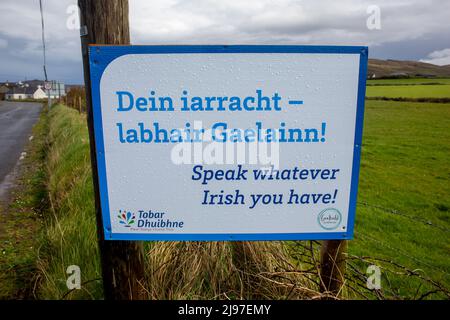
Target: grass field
(408,91)
(404,199)
(411,88)
(408,81)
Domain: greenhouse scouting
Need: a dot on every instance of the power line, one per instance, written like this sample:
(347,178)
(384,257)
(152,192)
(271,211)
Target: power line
(43,39)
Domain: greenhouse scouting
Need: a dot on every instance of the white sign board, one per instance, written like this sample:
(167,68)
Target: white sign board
(228,142)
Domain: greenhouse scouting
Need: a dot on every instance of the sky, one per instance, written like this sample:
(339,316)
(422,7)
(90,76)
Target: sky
(393,29)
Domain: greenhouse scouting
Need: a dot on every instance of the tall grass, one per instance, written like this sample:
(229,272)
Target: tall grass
(225,270)
(175,270)
(70,231)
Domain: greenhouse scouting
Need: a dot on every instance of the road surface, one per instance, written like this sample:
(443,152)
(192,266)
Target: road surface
(16,121)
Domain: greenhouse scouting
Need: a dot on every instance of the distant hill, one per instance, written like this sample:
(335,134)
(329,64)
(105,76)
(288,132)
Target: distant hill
(397,68)
(70,86)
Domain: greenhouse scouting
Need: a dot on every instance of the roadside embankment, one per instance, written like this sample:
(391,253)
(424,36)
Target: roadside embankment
(70,229)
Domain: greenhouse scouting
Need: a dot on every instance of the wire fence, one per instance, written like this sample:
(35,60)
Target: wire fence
(392,266)
(394,274)
(413,218)
(76,99)
(423,279)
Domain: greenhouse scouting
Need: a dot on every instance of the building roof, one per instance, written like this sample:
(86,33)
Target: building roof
(25,87)
(3,88)
(29,87)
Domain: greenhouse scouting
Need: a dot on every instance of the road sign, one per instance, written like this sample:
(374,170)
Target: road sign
(228,142)
(48,85)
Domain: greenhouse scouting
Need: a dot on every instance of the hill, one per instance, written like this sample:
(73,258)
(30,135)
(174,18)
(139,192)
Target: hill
(397,68)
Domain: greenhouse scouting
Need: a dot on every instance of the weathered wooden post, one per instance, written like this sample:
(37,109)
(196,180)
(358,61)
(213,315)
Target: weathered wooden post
(332,269)
(122,262)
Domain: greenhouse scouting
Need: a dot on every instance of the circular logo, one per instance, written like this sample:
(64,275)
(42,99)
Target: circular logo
(330,218)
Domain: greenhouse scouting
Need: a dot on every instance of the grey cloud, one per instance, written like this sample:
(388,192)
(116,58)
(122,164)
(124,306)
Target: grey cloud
(410,29)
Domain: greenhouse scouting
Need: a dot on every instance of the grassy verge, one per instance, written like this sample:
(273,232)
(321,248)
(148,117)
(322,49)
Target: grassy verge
(70,229)
(20,221)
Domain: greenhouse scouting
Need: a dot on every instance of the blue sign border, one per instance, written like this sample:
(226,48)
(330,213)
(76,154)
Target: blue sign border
(100,56)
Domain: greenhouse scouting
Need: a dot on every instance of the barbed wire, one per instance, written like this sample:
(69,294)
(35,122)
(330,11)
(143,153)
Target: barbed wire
(411,217)
(356,278)
(400,251)
(438,287)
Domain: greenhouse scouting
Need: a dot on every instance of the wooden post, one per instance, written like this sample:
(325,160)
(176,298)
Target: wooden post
(79,104)
(332,270)
(122,262)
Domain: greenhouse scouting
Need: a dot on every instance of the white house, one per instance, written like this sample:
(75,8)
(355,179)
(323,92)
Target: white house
(39,93)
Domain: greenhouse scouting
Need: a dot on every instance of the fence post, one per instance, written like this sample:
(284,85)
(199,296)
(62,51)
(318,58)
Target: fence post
(333,265)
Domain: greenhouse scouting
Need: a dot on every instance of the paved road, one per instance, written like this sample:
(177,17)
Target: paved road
(16,121)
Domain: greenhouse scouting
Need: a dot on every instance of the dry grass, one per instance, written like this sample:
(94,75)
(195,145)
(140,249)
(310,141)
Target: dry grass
(225,270)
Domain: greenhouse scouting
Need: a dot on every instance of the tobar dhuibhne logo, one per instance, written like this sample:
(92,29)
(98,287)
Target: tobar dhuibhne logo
(126,218)
(329,219)
(148,220)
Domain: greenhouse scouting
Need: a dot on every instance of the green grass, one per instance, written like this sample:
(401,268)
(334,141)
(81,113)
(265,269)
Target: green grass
(70,232)
(405,166)
(409,81)
(20,223)
(407,91)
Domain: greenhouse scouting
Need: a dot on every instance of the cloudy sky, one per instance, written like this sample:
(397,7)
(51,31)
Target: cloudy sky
(405,30)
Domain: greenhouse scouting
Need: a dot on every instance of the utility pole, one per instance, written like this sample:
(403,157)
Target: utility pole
(106,22)
(49,100)
(333,264)
(48,88)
